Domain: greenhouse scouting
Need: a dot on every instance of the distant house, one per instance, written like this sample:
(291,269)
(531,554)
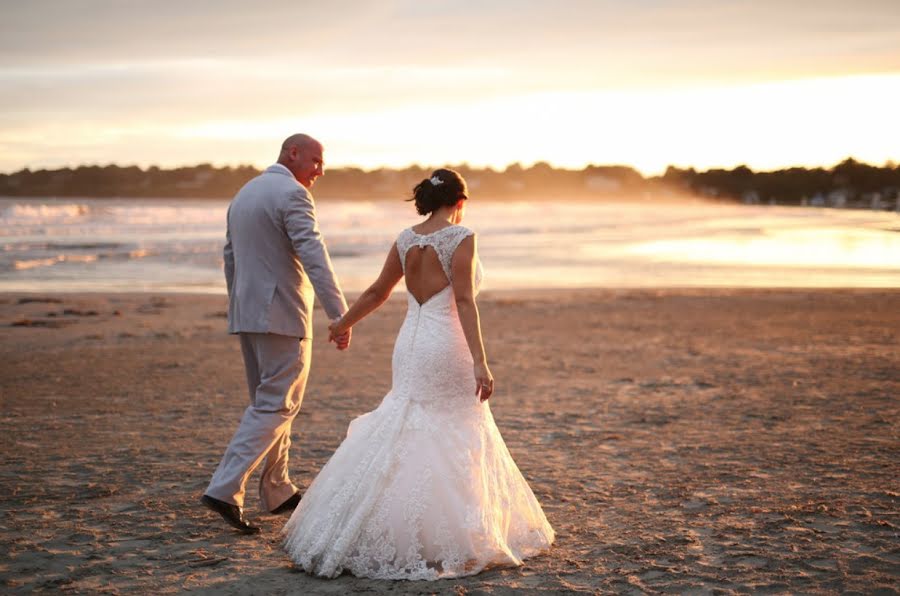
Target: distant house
(750,197)
(600,183)
(198,181)
(838,198)
(708,191)
(874,200)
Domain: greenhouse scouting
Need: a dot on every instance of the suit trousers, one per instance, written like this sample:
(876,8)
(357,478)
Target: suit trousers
(277,367)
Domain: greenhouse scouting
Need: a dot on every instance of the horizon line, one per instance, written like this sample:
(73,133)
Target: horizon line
(888,163)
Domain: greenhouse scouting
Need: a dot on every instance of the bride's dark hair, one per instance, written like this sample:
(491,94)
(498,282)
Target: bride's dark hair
(443,189)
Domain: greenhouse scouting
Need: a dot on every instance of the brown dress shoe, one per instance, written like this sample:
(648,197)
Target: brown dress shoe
(288,505)
(232,514)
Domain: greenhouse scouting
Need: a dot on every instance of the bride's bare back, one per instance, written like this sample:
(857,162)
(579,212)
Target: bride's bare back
(424,275)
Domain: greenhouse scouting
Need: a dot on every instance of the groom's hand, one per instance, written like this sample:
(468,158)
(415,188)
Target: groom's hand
(342,339)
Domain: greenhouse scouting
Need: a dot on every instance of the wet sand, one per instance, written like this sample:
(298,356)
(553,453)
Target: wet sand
(680,440)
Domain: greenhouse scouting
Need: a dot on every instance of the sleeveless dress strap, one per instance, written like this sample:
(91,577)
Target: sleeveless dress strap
(448,243)
(404,242)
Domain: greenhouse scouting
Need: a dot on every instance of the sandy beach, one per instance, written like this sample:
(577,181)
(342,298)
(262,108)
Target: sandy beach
(712,441)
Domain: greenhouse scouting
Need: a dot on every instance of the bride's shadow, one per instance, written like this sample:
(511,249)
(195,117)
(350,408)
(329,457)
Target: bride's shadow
(288,579)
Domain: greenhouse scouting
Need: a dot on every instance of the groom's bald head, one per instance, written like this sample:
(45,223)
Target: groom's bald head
(299,140)
(302,155)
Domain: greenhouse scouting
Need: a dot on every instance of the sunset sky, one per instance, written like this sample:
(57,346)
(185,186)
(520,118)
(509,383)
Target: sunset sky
(647,83)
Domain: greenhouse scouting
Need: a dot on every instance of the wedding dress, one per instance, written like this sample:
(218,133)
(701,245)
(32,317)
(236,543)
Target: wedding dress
(423,487)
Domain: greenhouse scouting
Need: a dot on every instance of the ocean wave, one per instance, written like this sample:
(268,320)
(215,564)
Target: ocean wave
(84,246)
(45,211)
(35,263)
(180,215)
(50,261)
(80,258)
(37,260)
(26,247)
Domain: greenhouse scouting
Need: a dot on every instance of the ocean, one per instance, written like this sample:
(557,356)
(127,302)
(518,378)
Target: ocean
(105,245)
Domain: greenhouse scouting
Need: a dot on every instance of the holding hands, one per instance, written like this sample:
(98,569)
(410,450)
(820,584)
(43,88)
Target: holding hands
(339,334)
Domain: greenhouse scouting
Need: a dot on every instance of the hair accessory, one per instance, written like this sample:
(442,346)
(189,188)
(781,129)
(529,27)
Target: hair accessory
(435,181)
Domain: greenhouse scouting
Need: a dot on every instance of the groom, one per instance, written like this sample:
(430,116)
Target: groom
(275,259)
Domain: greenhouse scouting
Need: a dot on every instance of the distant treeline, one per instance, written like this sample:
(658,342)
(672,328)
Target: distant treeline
(850,181)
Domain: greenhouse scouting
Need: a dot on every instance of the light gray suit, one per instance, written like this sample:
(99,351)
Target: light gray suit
(275,260)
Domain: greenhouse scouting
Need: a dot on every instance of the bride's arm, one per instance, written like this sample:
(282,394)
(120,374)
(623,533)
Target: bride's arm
(374,296)
(462,268)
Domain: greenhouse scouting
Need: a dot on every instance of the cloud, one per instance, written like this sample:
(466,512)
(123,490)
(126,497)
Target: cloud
(521,35)
(118,75)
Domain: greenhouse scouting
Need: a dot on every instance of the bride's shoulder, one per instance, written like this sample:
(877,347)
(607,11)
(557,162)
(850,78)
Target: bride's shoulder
(405,238)
(462,231)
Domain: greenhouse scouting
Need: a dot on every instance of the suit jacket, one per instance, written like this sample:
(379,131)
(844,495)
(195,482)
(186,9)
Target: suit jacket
(276,259)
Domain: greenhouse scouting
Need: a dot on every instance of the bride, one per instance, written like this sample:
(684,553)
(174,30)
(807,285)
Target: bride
(423,487)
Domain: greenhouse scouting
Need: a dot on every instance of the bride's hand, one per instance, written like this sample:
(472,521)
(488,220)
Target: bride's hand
(484,381)
(341,337)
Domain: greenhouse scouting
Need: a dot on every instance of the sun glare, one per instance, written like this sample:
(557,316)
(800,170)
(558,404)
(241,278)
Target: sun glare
(824,248)
(765,126)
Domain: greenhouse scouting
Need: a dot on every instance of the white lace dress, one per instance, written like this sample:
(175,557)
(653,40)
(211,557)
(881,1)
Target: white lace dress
(423,487)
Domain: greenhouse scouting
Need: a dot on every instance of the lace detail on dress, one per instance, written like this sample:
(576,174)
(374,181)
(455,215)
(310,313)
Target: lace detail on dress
(423,487)
(444,241)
